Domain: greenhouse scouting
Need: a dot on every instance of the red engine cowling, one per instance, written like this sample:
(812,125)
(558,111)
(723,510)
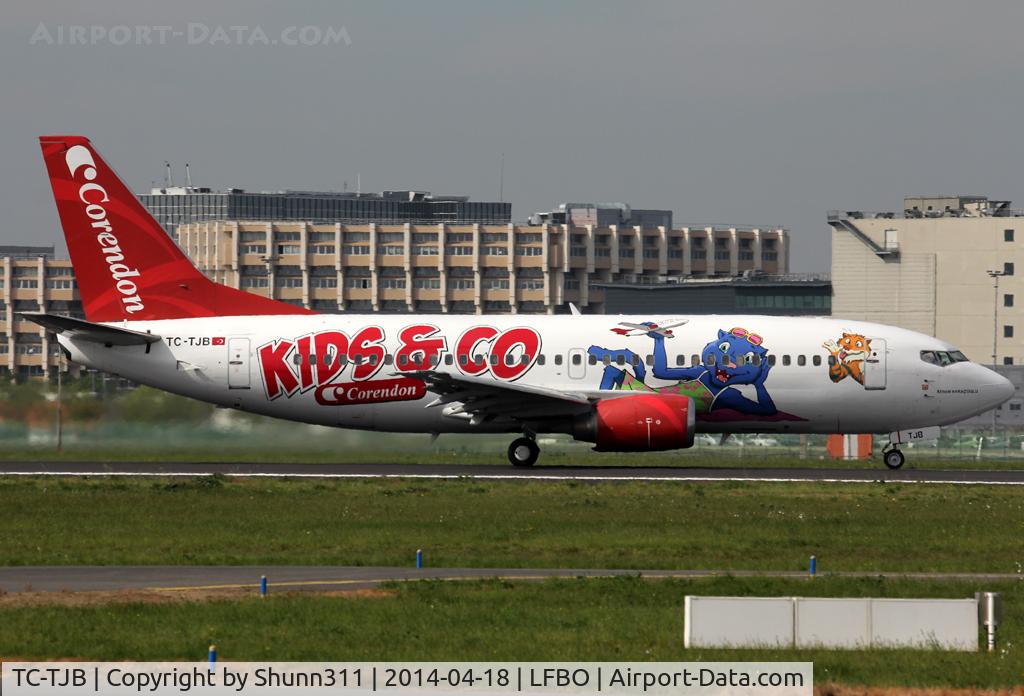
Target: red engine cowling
(644,422)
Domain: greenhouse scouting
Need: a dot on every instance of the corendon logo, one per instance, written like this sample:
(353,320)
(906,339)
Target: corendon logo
(375,391)
(323,359)
(93,195)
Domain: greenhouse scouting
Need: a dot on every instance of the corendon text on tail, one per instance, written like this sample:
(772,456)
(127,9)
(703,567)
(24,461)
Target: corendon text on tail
(624,383)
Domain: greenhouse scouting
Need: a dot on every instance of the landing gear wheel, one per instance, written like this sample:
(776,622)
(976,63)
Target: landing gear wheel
(893,459)
(523,452)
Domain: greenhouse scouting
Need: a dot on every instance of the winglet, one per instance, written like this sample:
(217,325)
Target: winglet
(574,309)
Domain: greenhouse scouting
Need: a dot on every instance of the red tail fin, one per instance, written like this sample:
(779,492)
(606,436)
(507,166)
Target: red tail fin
(127,267)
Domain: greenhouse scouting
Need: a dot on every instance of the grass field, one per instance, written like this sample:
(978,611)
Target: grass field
(597,619)
(464,522)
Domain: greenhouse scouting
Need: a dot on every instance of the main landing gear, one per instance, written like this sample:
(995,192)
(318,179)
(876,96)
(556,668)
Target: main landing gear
(892,457)
(523,452)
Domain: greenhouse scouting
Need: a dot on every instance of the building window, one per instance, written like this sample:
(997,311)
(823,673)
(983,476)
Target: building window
(1015,406)
(1007,235)
(1008,331)
(289,249)
(1008,268)
(1007,360)
(1008,300)
(254,249)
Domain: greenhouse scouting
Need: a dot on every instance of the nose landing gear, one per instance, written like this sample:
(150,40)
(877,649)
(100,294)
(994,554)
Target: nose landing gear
(523,452)
(892,457)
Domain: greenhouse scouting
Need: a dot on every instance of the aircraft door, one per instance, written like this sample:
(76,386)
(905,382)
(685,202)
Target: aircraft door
(577,363)
(238,363)
(874,365)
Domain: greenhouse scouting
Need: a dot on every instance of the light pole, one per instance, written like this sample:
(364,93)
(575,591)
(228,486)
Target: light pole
(995,276)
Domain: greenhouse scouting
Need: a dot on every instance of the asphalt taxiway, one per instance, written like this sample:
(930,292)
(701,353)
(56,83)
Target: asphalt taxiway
(538,473)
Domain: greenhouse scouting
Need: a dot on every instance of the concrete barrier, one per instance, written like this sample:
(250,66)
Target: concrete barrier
(838,623)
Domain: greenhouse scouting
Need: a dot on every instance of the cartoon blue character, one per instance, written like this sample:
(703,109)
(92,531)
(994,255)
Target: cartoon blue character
(736,357)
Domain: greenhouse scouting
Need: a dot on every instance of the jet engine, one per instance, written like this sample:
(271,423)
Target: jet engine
(644,422)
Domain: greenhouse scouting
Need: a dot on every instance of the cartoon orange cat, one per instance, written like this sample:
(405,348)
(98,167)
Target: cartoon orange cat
(848,356)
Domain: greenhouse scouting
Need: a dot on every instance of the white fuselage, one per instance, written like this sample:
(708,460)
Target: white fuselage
(263,365)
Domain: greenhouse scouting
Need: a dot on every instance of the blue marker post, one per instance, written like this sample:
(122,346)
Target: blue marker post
(263,587)
(813,568)
(213,658)
(419,558)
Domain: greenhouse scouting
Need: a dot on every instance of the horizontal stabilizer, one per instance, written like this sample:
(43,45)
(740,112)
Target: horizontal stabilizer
(80,329)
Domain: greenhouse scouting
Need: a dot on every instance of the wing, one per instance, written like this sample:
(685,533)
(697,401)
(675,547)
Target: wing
(479,400)
(88,331)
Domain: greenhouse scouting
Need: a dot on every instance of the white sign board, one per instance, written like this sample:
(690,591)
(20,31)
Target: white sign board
(845,623)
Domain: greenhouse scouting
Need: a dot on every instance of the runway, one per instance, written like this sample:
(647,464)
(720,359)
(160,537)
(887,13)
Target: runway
(333,578)
(538,473)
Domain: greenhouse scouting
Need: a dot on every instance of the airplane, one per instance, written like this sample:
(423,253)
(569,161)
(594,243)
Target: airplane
(639,329)
(153,318)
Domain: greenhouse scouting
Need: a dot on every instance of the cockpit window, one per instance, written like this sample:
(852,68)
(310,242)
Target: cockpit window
(942,358)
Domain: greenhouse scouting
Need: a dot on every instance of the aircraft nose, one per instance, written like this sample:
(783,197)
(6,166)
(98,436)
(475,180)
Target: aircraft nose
(996,389)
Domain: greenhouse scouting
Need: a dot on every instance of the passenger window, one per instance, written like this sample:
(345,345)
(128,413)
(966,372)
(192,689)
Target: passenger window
(695,360)
(711,358)
(541,359)
(801,360)
(577,359)
(403,360)
(434,360)
(448,359)
(680,360)
(650,360)
(816,360)
(357,359)
(388,358)
(755,359)
(832,361)
(312,359)
(558,358)
(297,359)
(620,360)
(785,361)
(463,359)
(524,359)
(635,360)
(510,359)
(592,359)
(373,359)
(494,358)
(771,360)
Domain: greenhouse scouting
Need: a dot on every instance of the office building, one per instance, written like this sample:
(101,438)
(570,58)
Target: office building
(31,280)
(750,293)
(944,266)
(603,215)
(177,205)
(339,267)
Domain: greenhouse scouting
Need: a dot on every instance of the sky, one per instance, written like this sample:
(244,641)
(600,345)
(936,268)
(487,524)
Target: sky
(762,112)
